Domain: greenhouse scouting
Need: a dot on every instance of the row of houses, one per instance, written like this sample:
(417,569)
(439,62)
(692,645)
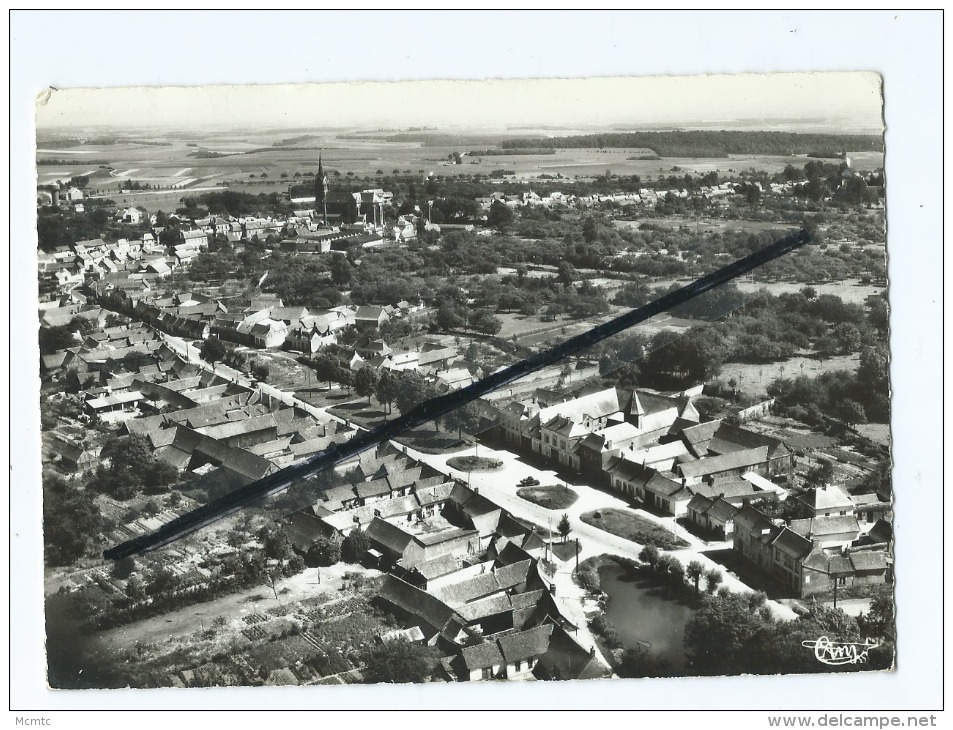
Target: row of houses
(463,575)
(649,446)
(816,554)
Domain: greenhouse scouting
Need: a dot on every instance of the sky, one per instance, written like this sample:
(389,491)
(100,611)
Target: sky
(846,101)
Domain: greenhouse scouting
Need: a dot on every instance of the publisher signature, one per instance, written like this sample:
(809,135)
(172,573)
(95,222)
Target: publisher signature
(836,653)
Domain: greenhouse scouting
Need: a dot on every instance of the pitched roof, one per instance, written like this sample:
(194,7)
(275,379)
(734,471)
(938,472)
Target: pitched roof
(730,438)
(697,437)
(821,526)
(792,544)
(430,610)
(240,427)
(525,644)
(387,535)
(481,656)
(725,462)
(868,560)
(437,567)
(664,487)
(831,496)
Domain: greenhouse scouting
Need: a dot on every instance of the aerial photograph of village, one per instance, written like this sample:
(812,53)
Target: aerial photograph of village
(707,493)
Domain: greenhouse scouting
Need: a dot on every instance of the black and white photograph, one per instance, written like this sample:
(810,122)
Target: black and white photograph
(548,380)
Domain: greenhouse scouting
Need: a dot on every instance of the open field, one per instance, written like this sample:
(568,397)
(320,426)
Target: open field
(850,290)
(254,154)
(753,379)
(706,225)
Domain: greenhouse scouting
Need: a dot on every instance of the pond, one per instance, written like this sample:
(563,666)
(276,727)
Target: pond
(641,616)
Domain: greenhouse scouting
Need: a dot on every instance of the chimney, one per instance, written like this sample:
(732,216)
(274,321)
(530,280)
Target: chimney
(592,651)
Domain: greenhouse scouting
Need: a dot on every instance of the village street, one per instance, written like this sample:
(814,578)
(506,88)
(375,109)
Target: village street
(500,486)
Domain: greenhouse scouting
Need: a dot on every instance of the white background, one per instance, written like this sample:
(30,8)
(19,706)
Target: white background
(114,48)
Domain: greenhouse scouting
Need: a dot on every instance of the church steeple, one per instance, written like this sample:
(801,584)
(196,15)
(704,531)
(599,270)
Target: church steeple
(321,190)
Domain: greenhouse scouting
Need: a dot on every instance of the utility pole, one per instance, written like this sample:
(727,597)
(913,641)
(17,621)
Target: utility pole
(577,553)
(834,577)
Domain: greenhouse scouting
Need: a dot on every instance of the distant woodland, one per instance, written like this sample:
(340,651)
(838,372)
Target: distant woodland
(711,144)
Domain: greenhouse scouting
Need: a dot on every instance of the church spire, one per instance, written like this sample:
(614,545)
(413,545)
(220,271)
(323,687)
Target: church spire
(321,190)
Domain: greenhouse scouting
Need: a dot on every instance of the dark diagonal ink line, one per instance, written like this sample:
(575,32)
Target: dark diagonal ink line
(441,405)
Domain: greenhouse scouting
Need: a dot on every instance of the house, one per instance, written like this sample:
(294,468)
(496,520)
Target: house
(194,239)
(734,463)
(566,659)
(370,318)
(265,334)
(775,549)
(828,501)
(823,571)
(408,549)
(508,656)
(869,508)
(76,458)
(714,515)
(440,624)
(836,531)
(133,216)
(667,495)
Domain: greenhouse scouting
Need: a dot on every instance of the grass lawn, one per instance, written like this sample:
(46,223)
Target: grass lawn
(474,463)
(634,528)
(556,497)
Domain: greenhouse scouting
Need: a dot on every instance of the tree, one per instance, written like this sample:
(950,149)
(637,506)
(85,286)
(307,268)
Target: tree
(851,412)
(640,662)
(386,388)
(71,521)
(412,390)
(820,475)
(713,579)
(355,544)
(365,382)
(483,321)
(670,569)
(650,555)
(323,553)
(128,468)
(695,571)
(213,350)
(276,545)
(499,215)
(398,661)
(465,418)
(567,273)
(449,317)
(564,527)
(879,620)
(718,634)
(260,370)
(590,230)
(341,272)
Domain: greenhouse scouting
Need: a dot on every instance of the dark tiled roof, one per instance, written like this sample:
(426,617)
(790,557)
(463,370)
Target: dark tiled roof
(525,644)
(869,560)
(387,535)
(725,462)
(792,544)
(481,656)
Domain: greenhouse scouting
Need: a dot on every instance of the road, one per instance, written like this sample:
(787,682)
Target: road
(190,353)
(500,487)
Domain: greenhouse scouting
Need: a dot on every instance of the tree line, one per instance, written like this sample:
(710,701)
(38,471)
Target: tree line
(700,143)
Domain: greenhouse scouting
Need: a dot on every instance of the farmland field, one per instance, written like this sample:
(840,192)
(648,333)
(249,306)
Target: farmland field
(254,154)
